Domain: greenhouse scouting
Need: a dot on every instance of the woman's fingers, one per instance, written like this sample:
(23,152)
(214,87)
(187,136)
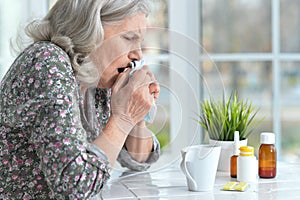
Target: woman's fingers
(141,100)
(134,97)
(121,81)
(145,77)
(154,89)
(141,77)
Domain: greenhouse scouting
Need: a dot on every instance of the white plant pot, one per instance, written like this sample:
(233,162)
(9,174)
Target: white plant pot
(226,153)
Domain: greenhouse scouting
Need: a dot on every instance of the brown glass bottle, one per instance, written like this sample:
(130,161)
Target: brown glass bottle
(233,158)
(233,166)
(267,156)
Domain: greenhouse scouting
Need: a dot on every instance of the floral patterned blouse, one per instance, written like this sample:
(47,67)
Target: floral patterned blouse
(46,127)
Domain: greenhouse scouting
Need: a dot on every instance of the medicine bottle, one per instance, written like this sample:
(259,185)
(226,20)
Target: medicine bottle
(267,156)
(233,159)
(246,165)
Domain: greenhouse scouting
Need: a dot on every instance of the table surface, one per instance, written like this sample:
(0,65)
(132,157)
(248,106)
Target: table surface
(170,183)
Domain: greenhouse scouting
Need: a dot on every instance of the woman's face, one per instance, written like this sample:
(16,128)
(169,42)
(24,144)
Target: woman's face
(121,45)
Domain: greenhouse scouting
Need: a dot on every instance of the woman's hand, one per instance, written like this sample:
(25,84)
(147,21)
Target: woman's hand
(154,89)
(131,99)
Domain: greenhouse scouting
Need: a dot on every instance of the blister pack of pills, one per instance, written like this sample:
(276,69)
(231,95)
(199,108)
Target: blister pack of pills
(235,186)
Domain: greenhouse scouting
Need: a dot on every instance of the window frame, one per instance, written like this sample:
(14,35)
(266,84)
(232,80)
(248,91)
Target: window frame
(276,57)
(183,34)
(179,15)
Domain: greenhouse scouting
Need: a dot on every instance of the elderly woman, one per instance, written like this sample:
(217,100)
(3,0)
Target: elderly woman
(70,106)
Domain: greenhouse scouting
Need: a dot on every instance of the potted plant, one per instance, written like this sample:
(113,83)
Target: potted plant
(220,119)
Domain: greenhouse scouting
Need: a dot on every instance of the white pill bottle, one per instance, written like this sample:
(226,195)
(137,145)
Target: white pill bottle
(246,165)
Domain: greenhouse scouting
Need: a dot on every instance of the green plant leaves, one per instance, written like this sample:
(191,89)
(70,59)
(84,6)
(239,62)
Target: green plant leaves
(221,118)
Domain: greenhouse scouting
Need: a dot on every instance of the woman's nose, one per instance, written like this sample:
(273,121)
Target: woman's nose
(136,54)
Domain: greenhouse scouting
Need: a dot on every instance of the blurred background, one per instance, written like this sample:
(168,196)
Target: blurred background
(203,48)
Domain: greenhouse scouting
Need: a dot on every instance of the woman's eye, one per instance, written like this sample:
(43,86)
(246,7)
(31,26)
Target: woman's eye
(128,38)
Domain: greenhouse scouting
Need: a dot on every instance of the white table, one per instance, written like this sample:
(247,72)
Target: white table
(170,183)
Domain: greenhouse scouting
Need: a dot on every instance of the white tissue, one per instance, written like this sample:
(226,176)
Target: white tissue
(135,65)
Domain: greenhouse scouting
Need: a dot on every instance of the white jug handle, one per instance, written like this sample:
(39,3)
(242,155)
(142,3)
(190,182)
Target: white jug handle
(189,177)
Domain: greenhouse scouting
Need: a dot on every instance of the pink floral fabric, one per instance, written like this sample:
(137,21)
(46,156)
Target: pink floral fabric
(44,132)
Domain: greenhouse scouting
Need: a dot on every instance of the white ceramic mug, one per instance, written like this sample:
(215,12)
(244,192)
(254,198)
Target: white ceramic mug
(199,165)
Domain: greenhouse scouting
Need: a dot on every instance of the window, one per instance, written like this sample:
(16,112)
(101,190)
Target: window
(13,17)
(9,11)
(240,45)
(255,46)
(251,47)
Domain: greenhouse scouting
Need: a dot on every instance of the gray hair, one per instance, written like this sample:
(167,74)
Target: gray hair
(77,27)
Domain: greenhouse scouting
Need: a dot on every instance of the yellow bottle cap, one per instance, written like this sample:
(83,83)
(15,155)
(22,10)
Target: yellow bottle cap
(246,151)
